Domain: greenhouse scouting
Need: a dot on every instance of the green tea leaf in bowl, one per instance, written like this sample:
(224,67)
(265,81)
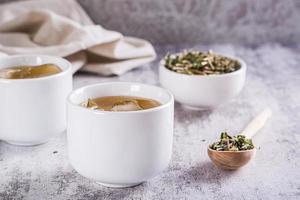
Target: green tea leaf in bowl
(200,63)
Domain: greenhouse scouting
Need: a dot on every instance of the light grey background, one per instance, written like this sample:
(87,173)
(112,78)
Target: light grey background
(249,22)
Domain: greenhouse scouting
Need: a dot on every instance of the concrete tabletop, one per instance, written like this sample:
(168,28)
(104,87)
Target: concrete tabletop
(273,79)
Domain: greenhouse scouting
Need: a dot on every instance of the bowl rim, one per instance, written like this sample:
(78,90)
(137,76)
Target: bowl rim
(243,68)
(160,107)
(64,71)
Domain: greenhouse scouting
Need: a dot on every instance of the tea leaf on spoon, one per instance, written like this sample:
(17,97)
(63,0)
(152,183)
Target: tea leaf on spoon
(232,143)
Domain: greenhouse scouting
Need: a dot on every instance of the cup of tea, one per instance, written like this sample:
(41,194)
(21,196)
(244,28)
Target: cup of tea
(120,134)
(33,93)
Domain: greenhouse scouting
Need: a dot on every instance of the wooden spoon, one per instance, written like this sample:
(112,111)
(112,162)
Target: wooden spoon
(232,160)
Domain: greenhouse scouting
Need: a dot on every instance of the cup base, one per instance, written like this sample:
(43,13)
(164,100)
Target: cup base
(26,144)
(110,185)
(196,108)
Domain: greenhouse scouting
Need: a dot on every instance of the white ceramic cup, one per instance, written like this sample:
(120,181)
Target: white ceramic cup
(33,110)
(120,149)
(200,92)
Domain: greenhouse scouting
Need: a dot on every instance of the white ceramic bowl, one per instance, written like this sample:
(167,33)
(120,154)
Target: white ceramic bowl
(120,149)
(203,92)
(33,110)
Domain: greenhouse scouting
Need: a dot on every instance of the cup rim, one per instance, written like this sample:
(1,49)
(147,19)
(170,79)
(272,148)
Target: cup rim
(240,70)
(65,71)
(160,107)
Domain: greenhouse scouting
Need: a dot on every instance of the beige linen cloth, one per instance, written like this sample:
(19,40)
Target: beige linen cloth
(62,28)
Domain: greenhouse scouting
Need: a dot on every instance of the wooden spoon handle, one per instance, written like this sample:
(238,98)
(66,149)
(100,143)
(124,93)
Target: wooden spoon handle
(257,123)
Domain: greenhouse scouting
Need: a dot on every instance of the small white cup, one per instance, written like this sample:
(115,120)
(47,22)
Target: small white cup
(120,149)
(198,92)
(33,110)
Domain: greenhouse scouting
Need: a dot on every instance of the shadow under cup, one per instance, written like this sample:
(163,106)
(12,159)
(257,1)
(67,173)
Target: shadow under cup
(33,110)
(120,149)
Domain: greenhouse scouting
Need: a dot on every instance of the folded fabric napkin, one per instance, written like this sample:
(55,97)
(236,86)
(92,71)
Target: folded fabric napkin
(62,28)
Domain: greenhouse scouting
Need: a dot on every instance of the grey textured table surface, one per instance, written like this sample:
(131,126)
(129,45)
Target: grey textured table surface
(273,79)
